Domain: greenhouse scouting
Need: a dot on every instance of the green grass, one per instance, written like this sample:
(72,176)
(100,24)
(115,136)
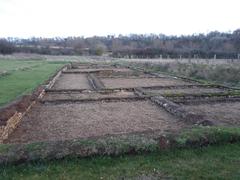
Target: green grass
(11,65)
(214,162)
(21,82)
(182,162)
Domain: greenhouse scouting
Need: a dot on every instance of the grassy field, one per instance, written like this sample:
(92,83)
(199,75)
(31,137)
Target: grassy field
(13,65)
(214,162)
(23,77)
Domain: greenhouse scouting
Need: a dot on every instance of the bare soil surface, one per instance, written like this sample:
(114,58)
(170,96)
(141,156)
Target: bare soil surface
(68,121)
(130,74)
(194,90)
(226,113)
(99,69)
(134,75)
(141,82)
(91,66)
(81,67)
(72,81)
(87,95)
(48,121)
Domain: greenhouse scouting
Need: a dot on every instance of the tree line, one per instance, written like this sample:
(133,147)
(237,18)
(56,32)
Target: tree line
(213,44)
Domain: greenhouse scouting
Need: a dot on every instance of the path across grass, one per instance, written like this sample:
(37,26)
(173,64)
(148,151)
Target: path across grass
(20,82)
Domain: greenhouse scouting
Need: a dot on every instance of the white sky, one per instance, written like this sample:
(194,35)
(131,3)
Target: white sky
(50,18)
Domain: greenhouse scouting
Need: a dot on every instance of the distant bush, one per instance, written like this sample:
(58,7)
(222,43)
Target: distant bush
(6,47)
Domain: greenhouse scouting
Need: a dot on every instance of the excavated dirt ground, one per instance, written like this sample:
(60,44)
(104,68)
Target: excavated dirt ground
(129,75)
(67,121)
(59,121)
(194,90)
(226,113)
(93,66)
(72,81)
(141,82)
(99,69)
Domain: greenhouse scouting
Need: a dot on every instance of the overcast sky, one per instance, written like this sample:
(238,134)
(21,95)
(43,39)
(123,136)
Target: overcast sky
(50,18)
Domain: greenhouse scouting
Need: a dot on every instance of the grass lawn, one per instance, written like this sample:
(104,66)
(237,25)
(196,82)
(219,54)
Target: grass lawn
(214,162)
(20,82)
(11,65)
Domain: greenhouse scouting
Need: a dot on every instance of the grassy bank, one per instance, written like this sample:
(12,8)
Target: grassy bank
(21,81)
(201,152)
(214,162)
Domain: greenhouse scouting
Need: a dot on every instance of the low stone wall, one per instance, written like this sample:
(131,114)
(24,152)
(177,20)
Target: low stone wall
(54,79)
(105,99)
(20,105)
(178,111)
(175,109)
(12,123)
(95,82)
(189,86)
(204,100)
